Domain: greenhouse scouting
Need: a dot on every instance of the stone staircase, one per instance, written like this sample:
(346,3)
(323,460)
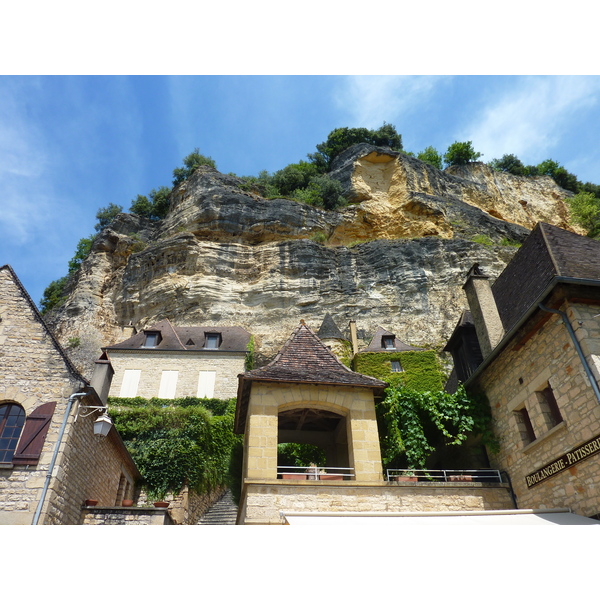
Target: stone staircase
(222,512)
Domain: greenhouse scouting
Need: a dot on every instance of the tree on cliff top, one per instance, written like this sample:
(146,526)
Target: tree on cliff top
(461,153)
(190,163)
(344,137)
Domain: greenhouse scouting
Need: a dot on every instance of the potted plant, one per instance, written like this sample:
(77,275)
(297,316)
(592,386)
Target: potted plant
(407,475)
(324,476)
(127,502)
(90,502)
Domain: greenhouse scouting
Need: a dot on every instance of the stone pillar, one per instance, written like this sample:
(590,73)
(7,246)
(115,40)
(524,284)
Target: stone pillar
(483,307)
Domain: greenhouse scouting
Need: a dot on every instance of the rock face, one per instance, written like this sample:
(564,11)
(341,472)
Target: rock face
(397,256)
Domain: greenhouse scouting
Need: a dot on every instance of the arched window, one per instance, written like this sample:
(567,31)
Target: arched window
(12,419)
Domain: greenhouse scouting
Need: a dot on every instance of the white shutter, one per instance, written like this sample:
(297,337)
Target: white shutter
(168,384)
(131,380)
(206,384)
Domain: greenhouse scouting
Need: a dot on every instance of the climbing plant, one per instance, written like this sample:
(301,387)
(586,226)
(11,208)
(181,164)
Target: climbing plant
(421,370)
(412,423)
(174,445)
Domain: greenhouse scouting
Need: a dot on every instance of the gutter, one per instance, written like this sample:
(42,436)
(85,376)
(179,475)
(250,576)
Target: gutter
(526,315)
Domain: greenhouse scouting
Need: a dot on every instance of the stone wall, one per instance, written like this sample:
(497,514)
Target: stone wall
(355,404)
(35,372)
(262,500)
(188,364)
(126,516)
(512,383)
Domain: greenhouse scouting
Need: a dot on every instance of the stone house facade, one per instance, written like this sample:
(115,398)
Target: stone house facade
(168,362)
(538,328)
(306,395)
(38,410)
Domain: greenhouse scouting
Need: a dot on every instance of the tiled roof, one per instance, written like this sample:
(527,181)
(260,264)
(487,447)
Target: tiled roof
(190,339)
(329,330)
(376,344)
(304,359)
(547,253)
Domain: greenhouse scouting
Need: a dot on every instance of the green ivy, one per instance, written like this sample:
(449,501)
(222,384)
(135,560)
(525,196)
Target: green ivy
(421,369)
(179,442)
(249,360)
(411,423)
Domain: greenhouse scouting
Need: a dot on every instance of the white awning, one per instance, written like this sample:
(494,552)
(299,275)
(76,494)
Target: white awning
(491,517)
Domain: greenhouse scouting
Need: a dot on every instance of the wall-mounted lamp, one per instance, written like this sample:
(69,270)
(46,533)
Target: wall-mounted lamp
(102,424)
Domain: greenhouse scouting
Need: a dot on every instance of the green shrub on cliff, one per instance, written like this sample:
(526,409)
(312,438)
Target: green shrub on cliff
(190,163)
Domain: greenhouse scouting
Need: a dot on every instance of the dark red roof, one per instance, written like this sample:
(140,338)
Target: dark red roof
(190,339)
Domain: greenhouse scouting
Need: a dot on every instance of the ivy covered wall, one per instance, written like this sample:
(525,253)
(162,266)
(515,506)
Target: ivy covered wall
(421,370)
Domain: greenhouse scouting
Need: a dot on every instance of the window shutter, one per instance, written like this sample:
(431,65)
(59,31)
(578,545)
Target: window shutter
(34,434)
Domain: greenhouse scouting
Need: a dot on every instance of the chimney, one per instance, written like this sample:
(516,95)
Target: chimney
(484,310)
(353,337)
(102,377)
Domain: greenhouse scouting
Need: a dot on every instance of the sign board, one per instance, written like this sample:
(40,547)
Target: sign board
(565,461)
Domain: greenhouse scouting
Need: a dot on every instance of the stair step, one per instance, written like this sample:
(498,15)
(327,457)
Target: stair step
(222,512)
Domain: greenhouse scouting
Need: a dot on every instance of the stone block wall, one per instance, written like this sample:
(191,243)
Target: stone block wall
(262,501)
(227,365)
(36,372)
(355,404)
(126,516)
(90,466)
(513,382)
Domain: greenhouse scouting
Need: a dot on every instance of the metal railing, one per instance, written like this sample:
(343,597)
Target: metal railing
(315,473)
(445,475)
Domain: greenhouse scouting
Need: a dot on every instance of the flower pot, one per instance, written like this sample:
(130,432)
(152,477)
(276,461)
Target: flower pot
(161,504)
(89,502)
(406,478)
(293,476)
(460,478)
(127,503)
(325,477)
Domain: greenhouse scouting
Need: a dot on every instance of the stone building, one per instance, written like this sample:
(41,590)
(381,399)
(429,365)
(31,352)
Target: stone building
(164,361)
(51,461)
(306,395)
(538,363)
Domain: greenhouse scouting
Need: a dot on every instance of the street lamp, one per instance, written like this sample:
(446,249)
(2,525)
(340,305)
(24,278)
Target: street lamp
(102,424)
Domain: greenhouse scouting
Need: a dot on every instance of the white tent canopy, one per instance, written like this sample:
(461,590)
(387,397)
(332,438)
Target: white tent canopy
(461,518)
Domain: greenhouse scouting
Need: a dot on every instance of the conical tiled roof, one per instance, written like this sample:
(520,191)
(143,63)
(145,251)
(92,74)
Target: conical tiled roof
(329,330)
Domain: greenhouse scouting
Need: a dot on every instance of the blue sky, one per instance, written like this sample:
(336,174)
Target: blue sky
(257,86)
(72,144)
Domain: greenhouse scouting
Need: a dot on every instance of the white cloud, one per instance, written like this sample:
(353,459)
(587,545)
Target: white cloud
(530,119)
(371,99)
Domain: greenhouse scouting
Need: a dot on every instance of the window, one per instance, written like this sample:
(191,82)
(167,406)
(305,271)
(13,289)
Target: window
(396,366)
(206,384)
(12,419)
(131,380)
(387,341)
(168,384)
(213,340)
(152,339)
(549,406)
(525,426)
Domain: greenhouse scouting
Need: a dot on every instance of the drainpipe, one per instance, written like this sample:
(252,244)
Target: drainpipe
(72,399)
(577,345)
(512,491)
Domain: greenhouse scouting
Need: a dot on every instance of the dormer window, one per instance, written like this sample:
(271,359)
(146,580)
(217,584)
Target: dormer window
(152,339)
(213,341)
(387,342)
(396,366)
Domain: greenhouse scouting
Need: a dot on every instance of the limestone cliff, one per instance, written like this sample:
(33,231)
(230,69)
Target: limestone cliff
(396,256)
